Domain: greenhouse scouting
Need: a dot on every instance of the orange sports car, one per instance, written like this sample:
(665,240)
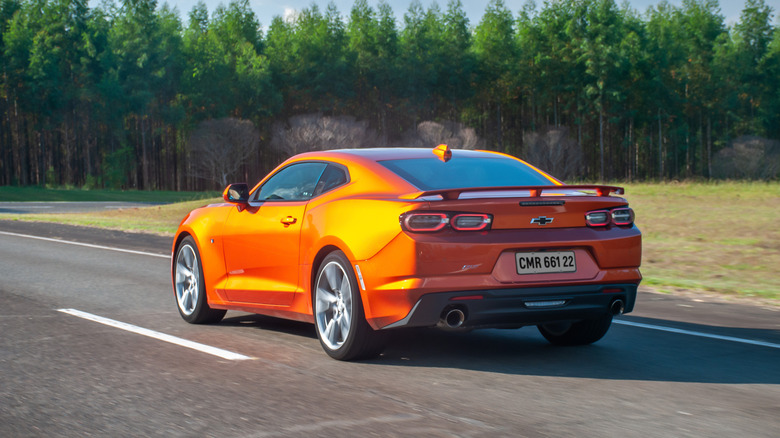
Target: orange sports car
(362,242)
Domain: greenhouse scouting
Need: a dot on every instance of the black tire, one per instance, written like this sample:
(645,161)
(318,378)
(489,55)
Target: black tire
(579,333)
(189,289)
(338,313)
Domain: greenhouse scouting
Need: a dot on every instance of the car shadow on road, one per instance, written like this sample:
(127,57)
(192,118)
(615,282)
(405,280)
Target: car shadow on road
(269,323)
(625,353)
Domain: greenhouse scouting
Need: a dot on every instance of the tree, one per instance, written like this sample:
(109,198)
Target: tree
(770,66)
(417,60)
(456,71)
(315,132)
(599,34)
(753,35)
(109,96)
(495,50)
(220,147)
(555,152)
(455,135)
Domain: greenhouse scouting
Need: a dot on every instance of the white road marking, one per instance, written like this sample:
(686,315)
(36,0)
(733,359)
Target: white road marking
(699,334)
(225,354)
(86,245)
(176,340)
(320,428)
(2,205)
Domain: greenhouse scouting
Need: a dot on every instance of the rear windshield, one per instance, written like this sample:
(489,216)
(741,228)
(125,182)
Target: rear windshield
(463,172)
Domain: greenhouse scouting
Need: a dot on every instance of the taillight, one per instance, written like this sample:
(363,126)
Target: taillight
(470,222)
(424,222)
(623,216)
(428,222)
(601,218)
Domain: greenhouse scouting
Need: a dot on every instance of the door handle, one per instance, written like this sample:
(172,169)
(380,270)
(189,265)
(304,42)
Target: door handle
(289,220)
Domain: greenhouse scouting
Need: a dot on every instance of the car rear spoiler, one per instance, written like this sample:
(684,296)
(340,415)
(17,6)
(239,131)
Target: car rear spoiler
(535,191)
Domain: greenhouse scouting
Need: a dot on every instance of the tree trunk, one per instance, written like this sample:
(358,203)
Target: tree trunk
(631,174)
(500,127)
(601,141)
(709,147)
(701,136)
(660,148)
(144,159)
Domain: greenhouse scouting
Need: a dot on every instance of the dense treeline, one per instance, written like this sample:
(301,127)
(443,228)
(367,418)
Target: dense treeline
(110,96)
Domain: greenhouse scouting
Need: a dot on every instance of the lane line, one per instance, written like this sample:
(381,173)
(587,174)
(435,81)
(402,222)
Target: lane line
(225,354)
(8,206)
(109,248)
(698,334)
(616,321)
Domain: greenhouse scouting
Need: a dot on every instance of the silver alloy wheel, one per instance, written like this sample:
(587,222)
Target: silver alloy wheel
(333,308)
(187,273)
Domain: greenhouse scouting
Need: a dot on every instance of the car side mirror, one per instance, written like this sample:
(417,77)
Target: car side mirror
(236,193)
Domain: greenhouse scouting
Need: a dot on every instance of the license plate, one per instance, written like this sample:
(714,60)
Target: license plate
(545,262)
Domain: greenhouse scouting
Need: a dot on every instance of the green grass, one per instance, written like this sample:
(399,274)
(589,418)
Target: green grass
(159,219)
(712,237)
(18,194)
(719,237)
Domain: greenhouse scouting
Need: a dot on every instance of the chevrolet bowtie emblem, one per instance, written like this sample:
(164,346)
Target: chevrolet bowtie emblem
(542,220)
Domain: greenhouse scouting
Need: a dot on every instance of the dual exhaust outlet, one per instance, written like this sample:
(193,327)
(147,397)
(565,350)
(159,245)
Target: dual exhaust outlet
(452,318)
(617,307)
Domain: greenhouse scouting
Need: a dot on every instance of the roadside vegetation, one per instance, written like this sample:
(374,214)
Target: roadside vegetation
(719,237)
(714,237)
(157,219)
(34,193)
(138,94)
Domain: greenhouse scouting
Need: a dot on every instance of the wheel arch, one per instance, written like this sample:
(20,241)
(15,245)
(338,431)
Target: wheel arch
(315,267)
(179,237)
(175,247)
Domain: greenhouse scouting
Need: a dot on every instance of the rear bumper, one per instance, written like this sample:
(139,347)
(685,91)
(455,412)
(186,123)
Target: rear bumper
(520,306)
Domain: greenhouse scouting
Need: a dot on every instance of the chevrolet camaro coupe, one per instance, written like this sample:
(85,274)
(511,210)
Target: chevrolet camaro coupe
(362,242)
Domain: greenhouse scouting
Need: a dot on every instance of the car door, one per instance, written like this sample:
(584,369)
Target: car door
(261,241)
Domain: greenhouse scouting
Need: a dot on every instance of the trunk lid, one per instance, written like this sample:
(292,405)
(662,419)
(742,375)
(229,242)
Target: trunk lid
(528,207)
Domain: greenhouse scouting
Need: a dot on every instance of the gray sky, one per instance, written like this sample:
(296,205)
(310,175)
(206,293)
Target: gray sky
(267,9)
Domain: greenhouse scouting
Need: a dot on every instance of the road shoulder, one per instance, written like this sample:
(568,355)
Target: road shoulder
(96,236)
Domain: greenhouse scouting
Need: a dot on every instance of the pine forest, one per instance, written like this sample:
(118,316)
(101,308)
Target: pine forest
(130,94)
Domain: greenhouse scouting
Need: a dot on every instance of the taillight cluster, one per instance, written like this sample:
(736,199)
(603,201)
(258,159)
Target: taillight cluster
(430,222)
(623,216)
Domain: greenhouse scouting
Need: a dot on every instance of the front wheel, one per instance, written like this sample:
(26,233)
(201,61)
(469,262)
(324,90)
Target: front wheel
(189,288)
(338,312)
(579,333)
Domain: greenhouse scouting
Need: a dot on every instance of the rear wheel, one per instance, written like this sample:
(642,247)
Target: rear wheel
(338,312)
(578,333)
(189,288)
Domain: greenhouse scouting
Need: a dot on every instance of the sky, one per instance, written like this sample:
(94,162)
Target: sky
(267,9)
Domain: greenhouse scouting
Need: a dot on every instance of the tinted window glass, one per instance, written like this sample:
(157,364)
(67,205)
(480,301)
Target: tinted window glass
(293,183)
(332,177)
(434,174)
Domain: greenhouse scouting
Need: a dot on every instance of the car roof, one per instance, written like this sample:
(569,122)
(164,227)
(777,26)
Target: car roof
(399,153)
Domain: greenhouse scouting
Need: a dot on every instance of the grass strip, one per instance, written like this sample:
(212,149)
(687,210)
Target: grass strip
(22,194)
(158,219)
(715,237)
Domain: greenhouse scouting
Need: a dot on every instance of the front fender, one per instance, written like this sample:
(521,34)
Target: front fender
(205,226)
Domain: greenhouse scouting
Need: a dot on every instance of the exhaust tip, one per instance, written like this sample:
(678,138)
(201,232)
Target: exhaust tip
(454,318)
(617,307)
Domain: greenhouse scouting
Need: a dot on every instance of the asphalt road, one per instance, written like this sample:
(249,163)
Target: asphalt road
(61,375)
(66,207)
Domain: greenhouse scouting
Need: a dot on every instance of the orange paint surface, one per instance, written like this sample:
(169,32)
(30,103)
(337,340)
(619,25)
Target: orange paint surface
(263,256)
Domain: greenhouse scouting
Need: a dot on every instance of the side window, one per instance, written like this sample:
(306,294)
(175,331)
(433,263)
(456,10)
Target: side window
(332,177)
(293,183)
